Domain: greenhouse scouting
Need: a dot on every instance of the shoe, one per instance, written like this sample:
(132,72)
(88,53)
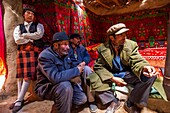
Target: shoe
(74,106)
(54,109)
(11,106)
(93,108)
(132,109)
(126,108)
(113,107)
(136,109)
(17,108)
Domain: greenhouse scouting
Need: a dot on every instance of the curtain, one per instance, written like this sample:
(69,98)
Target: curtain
(2,44)
(148,27)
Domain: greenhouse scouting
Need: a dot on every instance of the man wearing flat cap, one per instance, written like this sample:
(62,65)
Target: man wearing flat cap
(119,63)
(28,37)
(55,74)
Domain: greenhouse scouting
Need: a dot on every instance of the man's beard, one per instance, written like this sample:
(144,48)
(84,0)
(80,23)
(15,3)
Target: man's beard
(77,44)
(64,53)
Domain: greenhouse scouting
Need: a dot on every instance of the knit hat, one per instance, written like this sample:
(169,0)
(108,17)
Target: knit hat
(117,29)
(60,36)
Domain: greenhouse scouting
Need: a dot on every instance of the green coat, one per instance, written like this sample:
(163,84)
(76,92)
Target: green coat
(130,57)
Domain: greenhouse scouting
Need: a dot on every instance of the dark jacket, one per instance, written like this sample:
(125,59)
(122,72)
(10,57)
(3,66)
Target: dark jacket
(82,55)
(52,70)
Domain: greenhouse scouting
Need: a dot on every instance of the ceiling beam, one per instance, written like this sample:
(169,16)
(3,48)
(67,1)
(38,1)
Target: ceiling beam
(104,5)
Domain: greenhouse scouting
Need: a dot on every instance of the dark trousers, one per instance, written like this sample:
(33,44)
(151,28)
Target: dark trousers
(86,84)
(139,94)
(61,94)
(64,94)
(141,88)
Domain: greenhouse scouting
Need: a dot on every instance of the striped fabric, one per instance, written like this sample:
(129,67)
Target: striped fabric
(27,62)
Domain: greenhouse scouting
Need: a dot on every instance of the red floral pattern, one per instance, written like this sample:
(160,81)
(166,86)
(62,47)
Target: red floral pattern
(148,28)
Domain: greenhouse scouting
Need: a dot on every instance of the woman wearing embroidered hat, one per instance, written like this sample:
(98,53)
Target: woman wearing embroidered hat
(28,37)
(120,63)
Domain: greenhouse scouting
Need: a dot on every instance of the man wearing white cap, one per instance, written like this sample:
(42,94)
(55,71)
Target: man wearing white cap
(120,63)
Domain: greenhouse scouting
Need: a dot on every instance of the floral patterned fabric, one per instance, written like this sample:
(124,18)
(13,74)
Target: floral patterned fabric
(148,28)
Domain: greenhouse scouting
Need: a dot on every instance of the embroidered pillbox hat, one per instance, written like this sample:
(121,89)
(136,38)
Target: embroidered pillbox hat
(60,36)
(28,7)
(117,29)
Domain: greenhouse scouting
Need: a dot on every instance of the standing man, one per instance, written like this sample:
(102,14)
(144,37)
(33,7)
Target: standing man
(28,38)
(56,76)
(119,62)
(79,54)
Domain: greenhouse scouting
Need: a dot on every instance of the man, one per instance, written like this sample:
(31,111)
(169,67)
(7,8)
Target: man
(79,54)
(26,36)
(56,76)
(120,63)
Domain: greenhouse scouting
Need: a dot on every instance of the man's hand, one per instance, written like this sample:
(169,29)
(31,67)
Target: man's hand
(149,71)
(82,63)
(81,66)
(118,81)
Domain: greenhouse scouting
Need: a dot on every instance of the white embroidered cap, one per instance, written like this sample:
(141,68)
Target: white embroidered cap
(117,29)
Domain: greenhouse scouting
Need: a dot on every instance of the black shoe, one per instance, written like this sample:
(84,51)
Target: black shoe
(54,109)
(126,108)
(93,108)
(74,106)
(113,107)
(132,109)
(15,108)
(11,106)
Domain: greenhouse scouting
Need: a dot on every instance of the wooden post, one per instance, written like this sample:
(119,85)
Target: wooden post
(166,81)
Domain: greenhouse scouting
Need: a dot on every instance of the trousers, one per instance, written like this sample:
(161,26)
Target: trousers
(64,94)
(139,94)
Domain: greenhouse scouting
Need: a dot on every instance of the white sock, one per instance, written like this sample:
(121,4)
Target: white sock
(19,82)
(23,91)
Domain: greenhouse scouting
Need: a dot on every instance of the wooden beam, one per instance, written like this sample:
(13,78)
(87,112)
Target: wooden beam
(117,3)
(104,5)
(166,81)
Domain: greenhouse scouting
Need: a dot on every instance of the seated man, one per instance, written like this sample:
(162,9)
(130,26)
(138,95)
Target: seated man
(79,54)
(54,76)
(120,63)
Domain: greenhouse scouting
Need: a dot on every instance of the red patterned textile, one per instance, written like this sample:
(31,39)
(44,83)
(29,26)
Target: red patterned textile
(148,28)
(155,56)
(71,18)
(3,66)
